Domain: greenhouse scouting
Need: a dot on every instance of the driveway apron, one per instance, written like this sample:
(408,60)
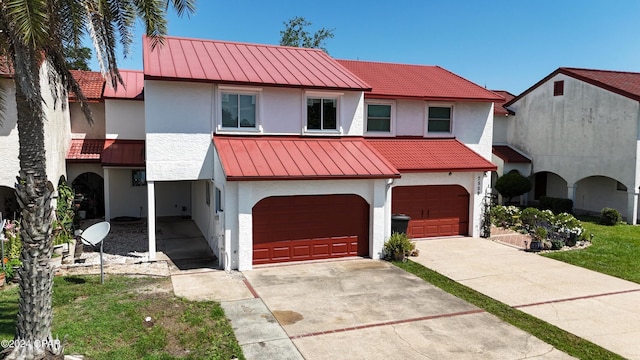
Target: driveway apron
(597,307)
(369,309)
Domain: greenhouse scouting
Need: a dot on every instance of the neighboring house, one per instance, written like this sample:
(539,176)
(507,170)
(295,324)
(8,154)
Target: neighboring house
(506,157)
(580,129)
(286,154)
(106,159)
(56,137)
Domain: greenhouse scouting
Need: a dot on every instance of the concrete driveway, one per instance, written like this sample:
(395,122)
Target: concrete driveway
(369,309)
(597,307)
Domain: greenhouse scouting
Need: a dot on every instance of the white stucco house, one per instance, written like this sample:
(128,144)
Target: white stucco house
(57,134)
(289,154)
(580,129)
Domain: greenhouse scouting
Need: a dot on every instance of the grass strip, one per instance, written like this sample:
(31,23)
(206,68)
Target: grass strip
(553,335)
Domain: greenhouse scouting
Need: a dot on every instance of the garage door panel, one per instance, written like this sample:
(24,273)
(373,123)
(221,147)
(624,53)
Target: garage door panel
(435,210)
(310,227)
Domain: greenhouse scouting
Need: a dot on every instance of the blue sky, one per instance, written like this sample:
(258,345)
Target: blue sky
(500,44)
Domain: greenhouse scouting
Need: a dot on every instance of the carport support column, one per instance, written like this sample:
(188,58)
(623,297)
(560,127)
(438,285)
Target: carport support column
(244,251)
(107,196)
(632,207)
(151,218)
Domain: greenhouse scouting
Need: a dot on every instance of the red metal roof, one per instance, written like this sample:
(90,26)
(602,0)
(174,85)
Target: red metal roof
(246,64)
(294,158)
(620,82)
(390,80)
(133,86)
(430,155)
(109,152)
(498,106)
(510,155)
(91,83)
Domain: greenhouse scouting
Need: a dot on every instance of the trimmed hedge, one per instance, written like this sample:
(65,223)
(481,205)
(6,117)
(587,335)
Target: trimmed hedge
(556,205)
(610,217)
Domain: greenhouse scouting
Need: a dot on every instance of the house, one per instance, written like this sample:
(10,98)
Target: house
(105,160)
(580,129)
(56,137)
(286,154)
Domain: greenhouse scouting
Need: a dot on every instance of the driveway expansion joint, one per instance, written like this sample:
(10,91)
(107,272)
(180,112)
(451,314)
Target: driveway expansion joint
(577,298)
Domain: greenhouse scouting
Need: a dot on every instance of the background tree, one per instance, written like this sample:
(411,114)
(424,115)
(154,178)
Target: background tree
(512,184)
(294,34)
(33,34)
(77,57)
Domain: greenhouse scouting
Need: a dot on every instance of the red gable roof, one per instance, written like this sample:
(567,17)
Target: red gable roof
(620,82)
(91,83)
(109,152)
(498,106)
(293,158)
(246,64)
(431,155)
(509,154)
(417,82)
(133,86)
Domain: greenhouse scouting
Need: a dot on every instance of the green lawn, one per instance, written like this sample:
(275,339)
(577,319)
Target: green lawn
(560,339)
(107,321)
(615,251)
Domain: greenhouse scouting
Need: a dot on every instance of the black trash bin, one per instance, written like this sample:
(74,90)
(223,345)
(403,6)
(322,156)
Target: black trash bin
(399,223)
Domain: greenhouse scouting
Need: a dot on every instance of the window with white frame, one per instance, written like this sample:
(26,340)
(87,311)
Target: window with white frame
(239,110)
(439,119)
(379,117)
(322,113)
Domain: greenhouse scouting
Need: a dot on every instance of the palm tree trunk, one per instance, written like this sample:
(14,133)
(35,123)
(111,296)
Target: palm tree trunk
(34,193)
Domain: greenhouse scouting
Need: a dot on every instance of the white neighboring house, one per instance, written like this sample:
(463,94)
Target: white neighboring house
(580,128)
(291,155)
(56,135)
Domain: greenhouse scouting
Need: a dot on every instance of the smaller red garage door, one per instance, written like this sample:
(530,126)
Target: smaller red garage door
(435,210)
(295,228)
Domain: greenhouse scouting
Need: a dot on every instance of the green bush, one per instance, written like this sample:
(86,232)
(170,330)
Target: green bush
(398,243)
(505,216)
(512,184)
(610,217)
(556,205)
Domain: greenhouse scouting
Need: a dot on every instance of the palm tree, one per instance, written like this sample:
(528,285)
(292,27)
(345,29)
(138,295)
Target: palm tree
(33,35)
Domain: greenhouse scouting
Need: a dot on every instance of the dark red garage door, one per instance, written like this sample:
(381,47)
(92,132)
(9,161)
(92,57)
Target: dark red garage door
(435,210)
(294,228)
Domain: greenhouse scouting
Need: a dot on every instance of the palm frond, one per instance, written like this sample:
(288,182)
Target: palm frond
(29,18)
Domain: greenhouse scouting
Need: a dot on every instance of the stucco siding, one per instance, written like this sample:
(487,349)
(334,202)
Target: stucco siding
(500,126)
(124,119)
(597,192)
(10,164)
(587,131)
(173,198)
(80,125)
(126,199)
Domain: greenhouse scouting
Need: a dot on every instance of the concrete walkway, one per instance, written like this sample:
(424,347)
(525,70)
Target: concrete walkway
(354,309)
(597,307)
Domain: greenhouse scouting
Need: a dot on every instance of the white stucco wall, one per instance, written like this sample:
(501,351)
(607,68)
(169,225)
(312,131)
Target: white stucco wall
(588,131)
(9,163)
(472,122)
(203,213)
(80,127)
(124,119)
(597,192)
(178,123)
(500,126)
(173,198)
(125,199)
(76,169)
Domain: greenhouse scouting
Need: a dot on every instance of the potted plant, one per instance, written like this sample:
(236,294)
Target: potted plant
(398,246)
(538,237)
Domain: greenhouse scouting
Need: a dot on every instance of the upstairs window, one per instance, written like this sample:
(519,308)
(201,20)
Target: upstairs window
(322,113)
(439,119)
(238,110)
(379,118)
(558,88)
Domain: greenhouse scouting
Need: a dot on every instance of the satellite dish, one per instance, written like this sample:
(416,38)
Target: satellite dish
(94,236)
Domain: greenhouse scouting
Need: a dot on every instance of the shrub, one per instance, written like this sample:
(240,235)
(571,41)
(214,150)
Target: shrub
(398,243)
(610,217)
(505,216)
(556,205)
(512,184)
